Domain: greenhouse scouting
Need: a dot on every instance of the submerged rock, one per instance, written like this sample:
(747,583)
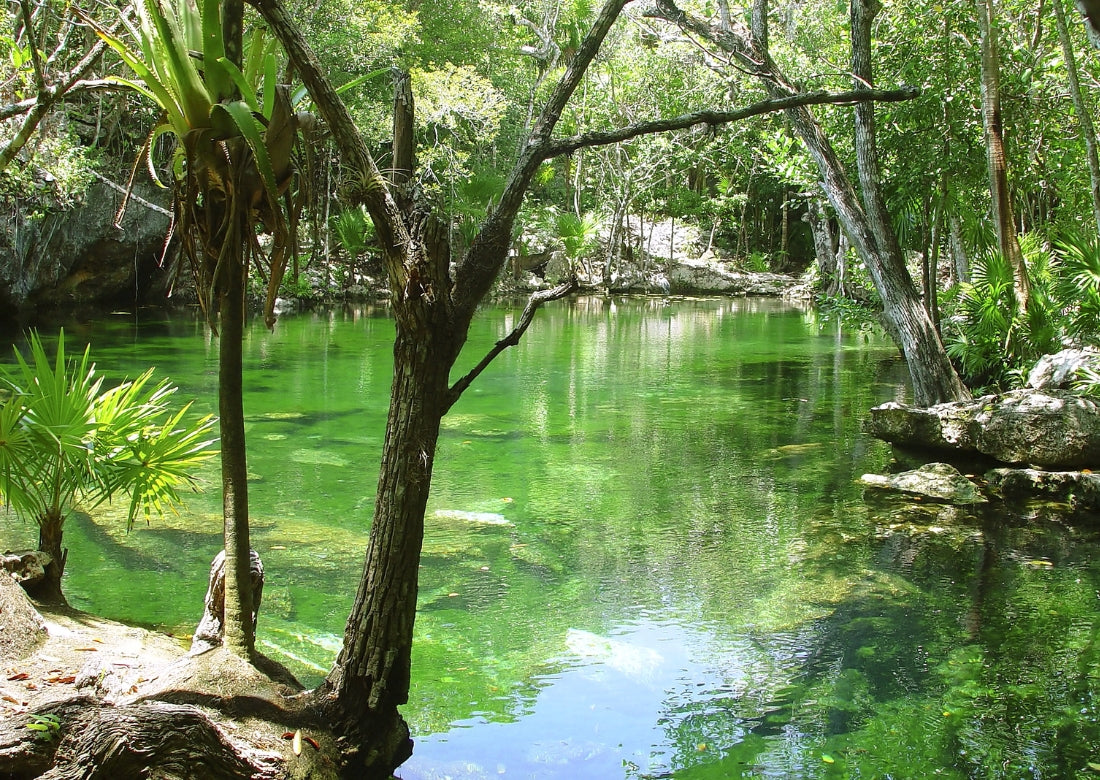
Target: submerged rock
(940,481)
(1047,429)
(1081,490)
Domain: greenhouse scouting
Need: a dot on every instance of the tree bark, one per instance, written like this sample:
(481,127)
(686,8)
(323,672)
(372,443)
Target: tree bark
(934,378)
(240,632)
(50,535)
(863,13)
(102,742)
(1007,242)
(1084,110)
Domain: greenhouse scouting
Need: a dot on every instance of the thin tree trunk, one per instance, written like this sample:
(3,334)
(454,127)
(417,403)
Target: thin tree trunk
(1003,219)
(824,250)
(958,249)
(240,631)
(863,13)
(1084,110)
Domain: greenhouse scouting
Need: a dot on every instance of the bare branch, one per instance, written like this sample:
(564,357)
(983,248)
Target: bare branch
(606,137)
(512,339)
(23,106)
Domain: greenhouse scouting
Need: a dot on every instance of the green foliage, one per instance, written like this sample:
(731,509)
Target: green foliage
(1078,286)
(578,236)
(993,343)
(353,230)
(63,437)
(46,727)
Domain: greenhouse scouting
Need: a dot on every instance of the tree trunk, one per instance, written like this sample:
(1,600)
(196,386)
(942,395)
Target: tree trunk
(1003,219)
(934,378)
(863,13)
(824,249)
(50,534)
(240,633)
(370,679)
(958,250)
(1084,111)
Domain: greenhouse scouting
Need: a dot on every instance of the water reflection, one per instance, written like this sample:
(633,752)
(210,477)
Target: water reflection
(647,554)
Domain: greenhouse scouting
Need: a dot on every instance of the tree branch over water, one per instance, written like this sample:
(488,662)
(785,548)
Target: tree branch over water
(512,339)
(558,147)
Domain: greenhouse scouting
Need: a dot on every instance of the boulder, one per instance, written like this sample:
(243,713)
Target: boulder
(939,481)
(1058,371)
(1050,429)
(710,277)
(22,629)
(27,567)
(1081,490)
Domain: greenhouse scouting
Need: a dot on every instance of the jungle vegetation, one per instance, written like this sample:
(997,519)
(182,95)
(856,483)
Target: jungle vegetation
(443,141)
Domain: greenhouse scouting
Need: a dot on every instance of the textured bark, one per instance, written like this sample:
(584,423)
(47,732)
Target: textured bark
(1084,110)
(863,13)
(1003,219)
(50,534)
(240,632)
(100,742)
(404,126)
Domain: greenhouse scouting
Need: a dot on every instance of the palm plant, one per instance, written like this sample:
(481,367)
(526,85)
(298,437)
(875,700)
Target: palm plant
(64,439)
(232,176)
(991,341)
(1078,286)
(236,130)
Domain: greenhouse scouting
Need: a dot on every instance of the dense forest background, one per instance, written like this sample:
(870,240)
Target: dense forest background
(72,137)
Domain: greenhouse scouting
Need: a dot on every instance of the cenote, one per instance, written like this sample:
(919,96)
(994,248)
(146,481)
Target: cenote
(647,553)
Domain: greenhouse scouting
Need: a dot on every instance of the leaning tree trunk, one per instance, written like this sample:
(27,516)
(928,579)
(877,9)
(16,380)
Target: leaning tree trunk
(1004,221)
(370,679)
(863,13)
(934,378)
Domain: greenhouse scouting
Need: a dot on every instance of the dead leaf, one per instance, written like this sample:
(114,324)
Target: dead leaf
(19,676)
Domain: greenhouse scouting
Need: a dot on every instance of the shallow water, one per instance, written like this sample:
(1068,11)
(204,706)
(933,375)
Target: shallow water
(647,553)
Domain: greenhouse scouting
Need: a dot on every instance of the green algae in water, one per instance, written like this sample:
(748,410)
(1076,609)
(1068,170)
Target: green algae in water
(687,581)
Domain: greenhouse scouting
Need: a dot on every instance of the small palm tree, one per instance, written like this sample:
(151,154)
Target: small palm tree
(64,439)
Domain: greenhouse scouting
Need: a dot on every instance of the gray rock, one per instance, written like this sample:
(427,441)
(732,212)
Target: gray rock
(27,567)
(1058,371)
(1051,429)
(940,481)
(1081,490)
(703,276)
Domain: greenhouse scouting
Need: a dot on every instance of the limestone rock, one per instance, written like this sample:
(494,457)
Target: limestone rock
(1081,490)
(26,567)
(940,481)
(1058,371)
(709,277)
(22,629)
(1048,429)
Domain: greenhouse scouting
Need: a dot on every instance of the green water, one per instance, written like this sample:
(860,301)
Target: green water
(647,554)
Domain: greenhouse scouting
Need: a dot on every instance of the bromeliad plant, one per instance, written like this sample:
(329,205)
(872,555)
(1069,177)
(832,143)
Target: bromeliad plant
(232,170)
(64,438)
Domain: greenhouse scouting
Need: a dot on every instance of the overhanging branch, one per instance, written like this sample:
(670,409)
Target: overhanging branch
(562,146)
(512,339)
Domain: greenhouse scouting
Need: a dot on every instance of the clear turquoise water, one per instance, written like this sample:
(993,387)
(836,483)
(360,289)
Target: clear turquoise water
(647,552)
